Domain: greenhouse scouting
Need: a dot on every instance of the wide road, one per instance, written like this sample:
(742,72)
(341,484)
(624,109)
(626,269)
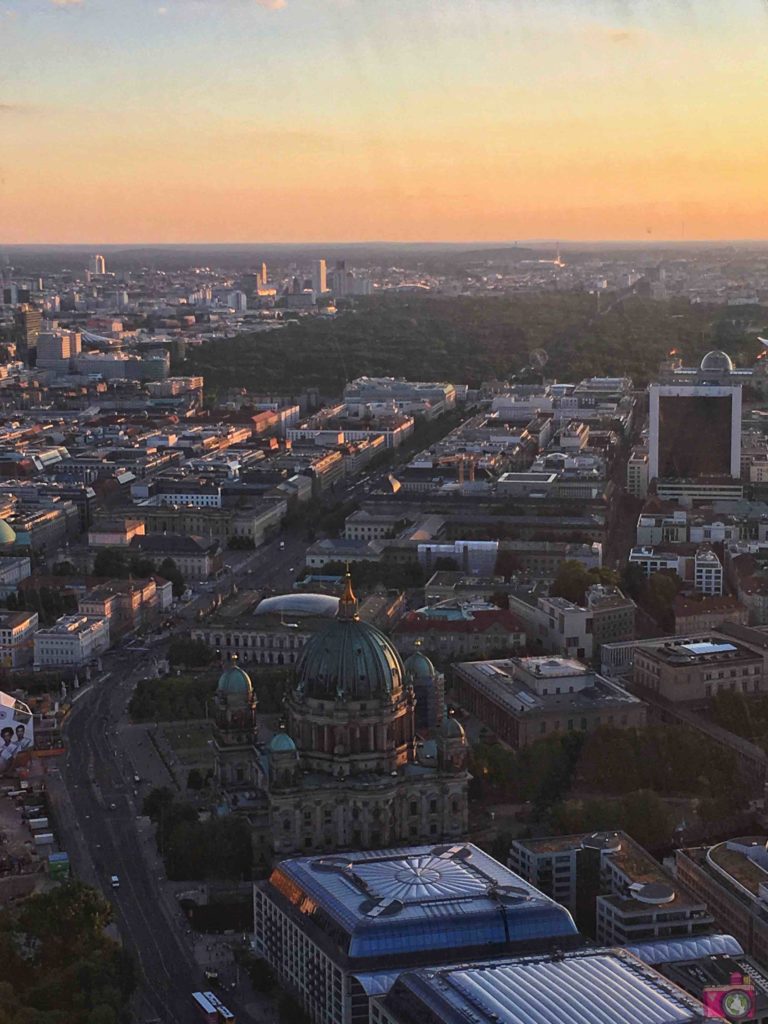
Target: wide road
(100,784)
(98,780)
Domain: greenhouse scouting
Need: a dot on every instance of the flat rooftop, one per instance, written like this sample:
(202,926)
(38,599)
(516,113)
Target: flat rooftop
(496,680)
(635,863)
(553,667)
(71,624)
(699,650)
(738,865)
(523,477)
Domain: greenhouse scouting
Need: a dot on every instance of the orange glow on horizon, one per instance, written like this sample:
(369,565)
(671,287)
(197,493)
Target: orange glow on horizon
(417,121)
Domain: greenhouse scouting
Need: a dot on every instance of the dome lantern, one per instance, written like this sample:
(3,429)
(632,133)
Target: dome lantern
(348,601)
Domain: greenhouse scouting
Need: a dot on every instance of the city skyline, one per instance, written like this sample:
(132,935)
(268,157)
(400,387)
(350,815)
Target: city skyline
(292,122)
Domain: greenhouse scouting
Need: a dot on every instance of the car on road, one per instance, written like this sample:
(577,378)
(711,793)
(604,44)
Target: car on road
(282,545)
(115,882)
(136,778)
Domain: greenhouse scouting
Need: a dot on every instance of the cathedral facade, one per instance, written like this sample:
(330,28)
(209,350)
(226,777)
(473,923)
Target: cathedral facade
(345,771)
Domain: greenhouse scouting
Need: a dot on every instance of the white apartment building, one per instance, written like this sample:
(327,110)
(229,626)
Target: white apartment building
(662,528)
(707,572)
(17,630)
(651,560)
(637,473)
(562,627)
(703,569)
(635,899)
(12,572)
(73,640)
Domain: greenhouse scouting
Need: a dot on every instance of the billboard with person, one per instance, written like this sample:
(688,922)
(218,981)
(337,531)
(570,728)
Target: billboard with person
(17,736)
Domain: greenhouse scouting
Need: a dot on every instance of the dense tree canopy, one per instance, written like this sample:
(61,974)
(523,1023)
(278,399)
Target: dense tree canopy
(184,652)
(669,761)
(468,339)
(745,717)
(573,579)
(642,814)
(175,699)
(183,698)
(192,849)
(655,594)
(49,602)
(114,563)
(56,964)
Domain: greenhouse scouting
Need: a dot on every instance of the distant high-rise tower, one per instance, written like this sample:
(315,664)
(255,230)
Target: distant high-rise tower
(319,276)
(264,275)
(339,279)
(27,322)
(695,425)
(97,264)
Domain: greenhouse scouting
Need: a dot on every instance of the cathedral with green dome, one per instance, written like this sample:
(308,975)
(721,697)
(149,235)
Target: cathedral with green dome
(345,770)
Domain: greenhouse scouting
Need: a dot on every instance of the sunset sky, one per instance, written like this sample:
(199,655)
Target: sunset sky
(411,120)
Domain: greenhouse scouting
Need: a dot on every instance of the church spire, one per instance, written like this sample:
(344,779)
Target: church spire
(348,601)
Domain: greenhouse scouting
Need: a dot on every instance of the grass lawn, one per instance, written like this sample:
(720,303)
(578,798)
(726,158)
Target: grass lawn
(188,738)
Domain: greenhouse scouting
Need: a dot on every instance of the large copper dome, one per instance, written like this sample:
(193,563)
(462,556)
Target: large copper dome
(349,659)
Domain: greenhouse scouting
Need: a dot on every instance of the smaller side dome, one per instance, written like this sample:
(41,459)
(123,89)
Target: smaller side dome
(717,361)
(418,666)
(281,743)
(451,728)
(7,534)
(234,681)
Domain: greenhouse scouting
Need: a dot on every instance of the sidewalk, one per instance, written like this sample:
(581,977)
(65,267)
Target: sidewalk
(70,837)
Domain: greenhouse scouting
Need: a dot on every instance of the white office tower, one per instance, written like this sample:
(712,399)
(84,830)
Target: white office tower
(263,275)
(237,301)
(319,277)
(97,264)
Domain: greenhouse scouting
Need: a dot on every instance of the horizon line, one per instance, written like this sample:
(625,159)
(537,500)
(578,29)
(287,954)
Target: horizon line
(492,243)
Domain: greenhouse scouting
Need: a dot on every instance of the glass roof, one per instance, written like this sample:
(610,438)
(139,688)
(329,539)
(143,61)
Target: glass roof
(692,947)
(589,987)
(394,902)
(324,605)
(708,648)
